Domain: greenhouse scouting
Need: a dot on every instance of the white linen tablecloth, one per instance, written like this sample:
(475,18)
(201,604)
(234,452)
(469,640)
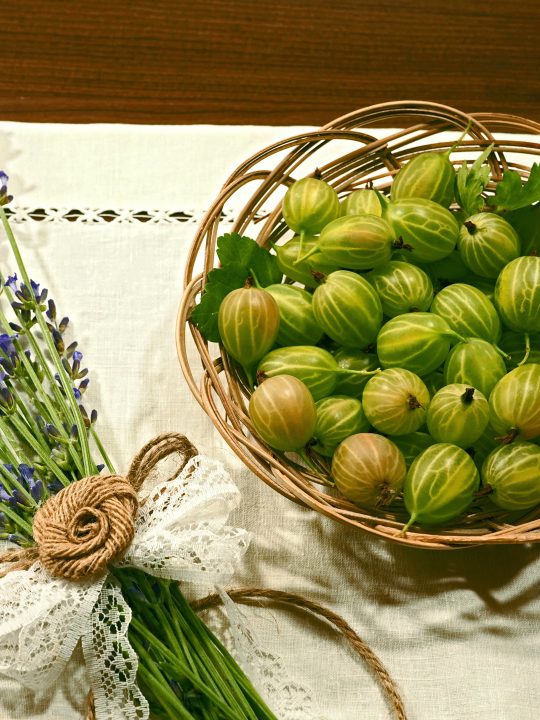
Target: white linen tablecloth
(459,631)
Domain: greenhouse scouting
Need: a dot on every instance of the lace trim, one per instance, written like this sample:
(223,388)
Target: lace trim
(93,216)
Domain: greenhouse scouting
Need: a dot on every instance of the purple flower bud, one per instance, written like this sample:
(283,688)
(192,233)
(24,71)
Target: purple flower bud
(36,490)
(4,197)
(11,282)
(6,343)
(26,472)
(77,356)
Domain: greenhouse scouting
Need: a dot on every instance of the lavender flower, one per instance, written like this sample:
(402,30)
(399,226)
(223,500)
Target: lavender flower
(6,344)
(4,197)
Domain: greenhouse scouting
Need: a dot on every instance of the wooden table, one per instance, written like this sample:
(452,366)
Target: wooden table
(261,62)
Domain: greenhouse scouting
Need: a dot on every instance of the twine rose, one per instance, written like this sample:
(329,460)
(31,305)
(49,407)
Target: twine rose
(86,526)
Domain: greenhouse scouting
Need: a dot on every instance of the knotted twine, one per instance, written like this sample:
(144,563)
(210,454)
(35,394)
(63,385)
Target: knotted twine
(90,523)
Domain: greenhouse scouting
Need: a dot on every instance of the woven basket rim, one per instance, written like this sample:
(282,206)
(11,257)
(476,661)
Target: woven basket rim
(219,389)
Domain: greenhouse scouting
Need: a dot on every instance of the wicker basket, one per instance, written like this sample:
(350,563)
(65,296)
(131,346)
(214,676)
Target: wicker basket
(348,153)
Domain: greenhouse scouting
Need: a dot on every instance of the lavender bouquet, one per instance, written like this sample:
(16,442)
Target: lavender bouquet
(147,653)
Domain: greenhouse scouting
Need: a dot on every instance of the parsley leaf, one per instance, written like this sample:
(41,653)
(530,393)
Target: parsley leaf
(232,248)
(240,257)
(512,194)
(471,182)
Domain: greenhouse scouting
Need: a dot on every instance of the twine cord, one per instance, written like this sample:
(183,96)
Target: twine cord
(253,596)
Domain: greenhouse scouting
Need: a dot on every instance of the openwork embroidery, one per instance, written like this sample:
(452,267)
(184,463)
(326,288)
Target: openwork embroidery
(93,216)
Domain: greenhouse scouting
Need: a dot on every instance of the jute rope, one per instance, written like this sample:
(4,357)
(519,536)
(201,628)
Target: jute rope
(90,523)
(253,596)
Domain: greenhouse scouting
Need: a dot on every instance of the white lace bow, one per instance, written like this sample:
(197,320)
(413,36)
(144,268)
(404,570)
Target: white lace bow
(180,534)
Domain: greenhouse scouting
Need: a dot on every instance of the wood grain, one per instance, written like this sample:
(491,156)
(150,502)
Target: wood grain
(279,62)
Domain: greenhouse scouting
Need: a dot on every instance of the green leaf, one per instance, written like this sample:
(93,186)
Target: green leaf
(240,257)
(471,182)
(219,283)
(234,248)
(512,194)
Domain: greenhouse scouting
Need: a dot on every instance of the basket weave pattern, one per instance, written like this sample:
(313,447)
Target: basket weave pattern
(368,158)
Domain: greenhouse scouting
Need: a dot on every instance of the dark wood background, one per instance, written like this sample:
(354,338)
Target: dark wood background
(263,62)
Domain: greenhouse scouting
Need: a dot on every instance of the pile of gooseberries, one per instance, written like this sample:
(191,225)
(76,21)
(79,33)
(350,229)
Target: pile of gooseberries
(400,355)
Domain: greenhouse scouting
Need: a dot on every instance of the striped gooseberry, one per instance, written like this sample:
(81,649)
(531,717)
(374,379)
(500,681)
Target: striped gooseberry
(337,417)
(512,474)
(307,271)
(360,202)
(297,324)
(314,366)
(428,229)
(355,242)
(402,287)
(396,401)
(487,243)
(476,363)
(248,322)
(517,295)
(458,414)
(418,342)
(368,469)
(514,404)
(428,175)
(440,485)
(283,413)
(468,312)
(310,204)
(348,309)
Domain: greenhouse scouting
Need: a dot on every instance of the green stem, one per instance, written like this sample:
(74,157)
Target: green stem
(152,676)
(16,485)
(102,452)
(459,140)
(309,253)
(38,385)
(7,438)
(45,458)
(208,658)
(193,660)
(171,658)
(311,465)
(231,666)
(501,352)
(88,465)
(17,519)
(301,246)
(527,349)
(358,372)
(408,525)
